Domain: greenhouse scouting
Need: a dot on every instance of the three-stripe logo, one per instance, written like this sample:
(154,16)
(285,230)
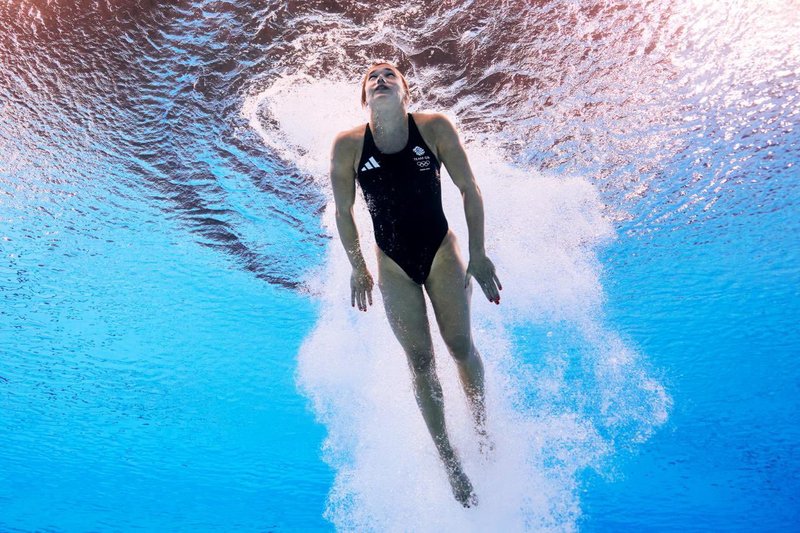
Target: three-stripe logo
(370,164)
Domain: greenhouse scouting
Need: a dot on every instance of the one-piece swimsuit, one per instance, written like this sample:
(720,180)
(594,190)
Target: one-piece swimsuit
(404,197)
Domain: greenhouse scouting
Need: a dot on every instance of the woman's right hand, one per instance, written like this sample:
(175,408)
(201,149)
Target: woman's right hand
(361,288)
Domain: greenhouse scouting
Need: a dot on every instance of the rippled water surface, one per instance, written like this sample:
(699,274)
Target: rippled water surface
(176,345)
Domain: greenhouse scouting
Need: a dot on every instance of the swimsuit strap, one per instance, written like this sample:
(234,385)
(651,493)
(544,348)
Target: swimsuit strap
(413,129)
(369,140)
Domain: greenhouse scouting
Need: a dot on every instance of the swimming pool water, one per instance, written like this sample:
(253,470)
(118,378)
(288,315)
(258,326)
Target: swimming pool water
(176,347)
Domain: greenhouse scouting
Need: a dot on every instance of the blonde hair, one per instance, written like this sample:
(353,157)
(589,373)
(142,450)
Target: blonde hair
(406,98)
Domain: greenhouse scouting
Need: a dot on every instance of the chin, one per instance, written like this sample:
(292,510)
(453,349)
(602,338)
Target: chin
(386,102)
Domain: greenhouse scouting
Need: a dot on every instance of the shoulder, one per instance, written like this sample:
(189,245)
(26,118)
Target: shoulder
(348,141)
(347,144)
(346,151)
(437,126)
(439,129)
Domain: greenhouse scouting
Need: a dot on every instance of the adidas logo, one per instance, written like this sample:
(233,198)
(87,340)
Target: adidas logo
(371,163)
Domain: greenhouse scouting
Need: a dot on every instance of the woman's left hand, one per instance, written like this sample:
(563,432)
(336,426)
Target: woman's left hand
(482,269)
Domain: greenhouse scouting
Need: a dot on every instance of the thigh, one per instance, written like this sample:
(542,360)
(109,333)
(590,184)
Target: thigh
(449,297)
(405,307)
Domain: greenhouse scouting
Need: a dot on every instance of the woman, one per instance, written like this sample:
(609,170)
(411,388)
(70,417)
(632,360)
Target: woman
(395,158)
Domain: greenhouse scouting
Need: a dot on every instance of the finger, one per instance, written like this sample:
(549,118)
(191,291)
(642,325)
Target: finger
(360,299)
(352,297)
(369,295)
(491,292)
(497,280)
(486,290)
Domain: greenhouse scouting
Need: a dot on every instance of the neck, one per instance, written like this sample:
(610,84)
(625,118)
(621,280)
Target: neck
(388,122)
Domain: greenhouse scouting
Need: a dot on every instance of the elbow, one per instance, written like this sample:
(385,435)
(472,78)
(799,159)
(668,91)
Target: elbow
(344,213)
(471,194)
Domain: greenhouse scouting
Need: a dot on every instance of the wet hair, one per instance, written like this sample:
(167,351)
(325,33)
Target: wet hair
(407,96)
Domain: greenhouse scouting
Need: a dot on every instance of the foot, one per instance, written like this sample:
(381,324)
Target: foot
(460,484)
(485,444)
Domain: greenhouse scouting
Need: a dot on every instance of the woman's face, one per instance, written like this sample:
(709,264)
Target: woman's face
(383,85)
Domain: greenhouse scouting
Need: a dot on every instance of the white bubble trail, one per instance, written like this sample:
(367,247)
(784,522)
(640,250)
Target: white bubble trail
(552,415)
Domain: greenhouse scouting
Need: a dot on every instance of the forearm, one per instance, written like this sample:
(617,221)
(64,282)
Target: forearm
(473,209)
(348,233)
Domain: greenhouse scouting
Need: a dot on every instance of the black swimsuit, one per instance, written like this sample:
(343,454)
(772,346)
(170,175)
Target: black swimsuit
(404,196)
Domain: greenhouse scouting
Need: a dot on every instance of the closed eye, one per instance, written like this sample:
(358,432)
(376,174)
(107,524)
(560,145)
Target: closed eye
(386,73)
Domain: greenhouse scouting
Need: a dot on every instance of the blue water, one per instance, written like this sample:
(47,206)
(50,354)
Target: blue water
(176,346)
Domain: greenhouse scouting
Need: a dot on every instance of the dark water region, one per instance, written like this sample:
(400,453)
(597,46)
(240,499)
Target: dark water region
(144,89)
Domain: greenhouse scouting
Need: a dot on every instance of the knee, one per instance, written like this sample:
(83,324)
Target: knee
(420,361)
(460,346)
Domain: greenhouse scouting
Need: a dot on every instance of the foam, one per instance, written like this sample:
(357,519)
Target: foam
(542,233)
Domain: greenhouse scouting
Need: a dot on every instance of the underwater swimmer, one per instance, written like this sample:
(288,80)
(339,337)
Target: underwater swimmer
(395,158)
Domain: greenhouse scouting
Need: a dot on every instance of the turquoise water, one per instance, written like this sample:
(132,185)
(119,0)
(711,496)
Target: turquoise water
(177,349)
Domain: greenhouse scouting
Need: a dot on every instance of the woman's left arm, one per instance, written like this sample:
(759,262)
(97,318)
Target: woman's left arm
(454,157)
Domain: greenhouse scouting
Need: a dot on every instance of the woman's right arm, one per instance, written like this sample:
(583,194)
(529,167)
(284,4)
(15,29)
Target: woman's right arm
(343,182)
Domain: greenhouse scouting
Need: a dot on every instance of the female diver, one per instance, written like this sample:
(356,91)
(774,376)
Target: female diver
(395,158)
